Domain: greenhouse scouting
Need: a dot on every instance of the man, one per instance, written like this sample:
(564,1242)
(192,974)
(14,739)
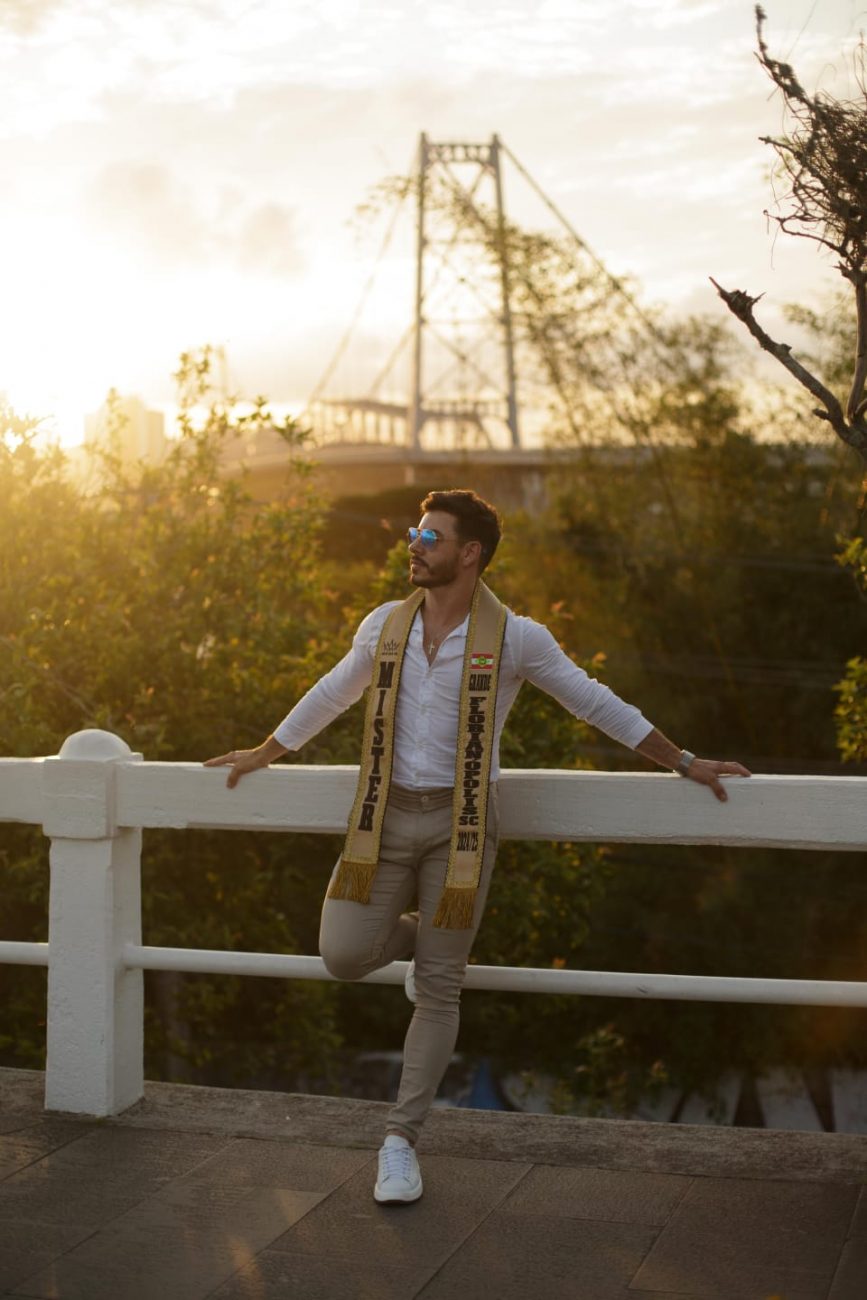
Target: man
(444,668)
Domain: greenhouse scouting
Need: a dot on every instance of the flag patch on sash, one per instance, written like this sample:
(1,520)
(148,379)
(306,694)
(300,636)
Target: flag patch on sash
(481,661)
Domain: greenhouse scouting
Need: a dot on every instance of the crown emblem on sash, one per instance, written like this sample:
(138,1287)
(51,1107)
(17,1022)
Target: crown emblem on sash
(390,647)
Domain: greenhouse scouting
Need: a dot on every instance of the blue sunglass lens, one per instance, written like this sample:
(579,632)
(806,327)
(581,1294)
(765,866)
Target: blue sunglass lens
(426,536)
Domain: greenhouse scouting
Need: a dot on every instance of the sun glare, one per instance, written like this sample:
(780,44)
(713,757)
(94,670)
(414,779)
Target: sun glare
(159,204)
(84,315)
(66,326)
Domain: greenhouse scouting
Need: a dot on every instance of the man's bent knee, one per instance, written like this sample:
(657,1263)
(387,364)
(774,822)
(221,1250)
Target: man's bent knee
(343,966)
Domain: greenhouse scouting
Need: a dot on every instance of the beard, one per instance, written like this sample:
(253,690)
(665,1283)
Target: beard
(440,576)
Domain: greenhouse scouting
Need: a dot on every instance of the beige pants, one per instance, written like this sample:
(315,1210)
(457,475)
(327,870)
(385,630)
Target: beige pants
(356,938)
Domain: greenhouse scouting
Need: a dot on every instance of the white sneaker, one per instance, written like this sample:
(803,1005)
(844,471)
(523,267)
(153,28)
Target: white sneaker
(409,981)
(399,1178)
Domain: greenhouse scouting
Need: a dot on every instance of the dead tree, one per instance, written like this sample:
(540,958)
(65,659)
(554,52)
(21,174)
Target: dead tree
(823,161)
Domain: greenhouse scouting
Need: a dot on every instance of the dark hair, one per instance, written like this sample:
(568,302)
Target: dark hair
(477,521)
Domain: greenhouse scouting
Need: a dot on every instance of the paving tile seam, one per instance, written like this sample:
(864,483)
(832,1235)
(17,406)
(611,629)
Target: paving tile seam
(248,1135)
(657,1231)
(278,1255)
(53,1259)
(212,1155)
(680,1200)
(505,1155)
(850,1236)
(816,1273)
(261,1137)
(240,1268)
(100,1227)
(26,1122)
(41,1156)
(688,1179)
(741,1177)
(833,1281)
(658,1240)
(579,1218)
(281,1255)
(460,1245)
(221,1233)
(327,1195)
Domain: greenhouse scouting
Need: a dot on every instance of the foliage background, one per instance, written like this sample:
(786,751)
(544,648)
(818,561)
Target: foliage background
(712,570)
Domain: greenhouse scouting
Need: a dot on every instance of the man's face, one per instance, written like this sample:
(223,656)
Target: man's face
(435,566)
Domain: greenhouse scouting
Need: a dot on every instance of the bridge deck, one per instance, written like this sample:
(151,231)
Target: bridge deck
(234,1195)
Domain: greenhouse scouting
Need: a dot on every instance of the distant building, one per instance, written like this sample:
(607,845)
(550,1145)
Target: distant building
(137,433)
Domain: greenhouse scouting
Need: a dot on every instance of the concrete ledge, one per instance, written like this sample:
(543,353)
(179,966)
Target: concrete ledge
(493,1135)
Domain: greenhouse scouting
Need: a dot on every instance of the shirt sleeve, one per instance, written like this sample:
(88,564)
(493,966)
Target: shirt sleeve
(540,660)
(338,689)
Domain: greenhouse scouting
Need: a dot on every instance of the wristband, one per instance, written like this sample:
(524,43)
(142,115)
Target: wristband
(686,761)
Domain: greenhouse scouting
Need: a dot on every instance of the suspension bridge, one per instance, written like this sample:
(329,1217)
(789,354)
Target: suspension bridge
(473,382)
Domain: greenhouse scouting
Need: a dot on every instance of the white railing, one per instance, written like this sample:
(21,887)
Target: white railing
(94,798)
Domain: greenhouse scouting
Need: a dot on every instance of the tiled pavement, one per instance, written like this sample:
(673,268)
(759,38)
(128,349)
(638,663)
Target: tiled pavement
(201,1192)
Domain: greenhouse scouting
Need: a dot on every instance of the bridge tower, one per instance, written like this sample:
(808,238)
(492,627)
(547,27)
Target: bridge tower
(457,389)
(452,220)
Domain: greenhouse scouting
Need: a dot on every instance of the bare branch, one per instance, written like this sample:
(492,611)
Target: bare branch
(803,234)
(740,304)
(824,157)
(824,160)
(856,405)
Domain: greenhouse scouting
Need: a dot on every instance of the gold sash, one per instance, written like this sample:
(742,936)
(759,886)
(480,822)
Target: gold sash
(478,696)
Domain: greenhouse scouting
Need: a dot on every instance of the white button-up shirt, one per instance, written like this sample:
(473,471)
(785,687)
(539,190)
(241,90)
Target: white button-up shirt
(426,721)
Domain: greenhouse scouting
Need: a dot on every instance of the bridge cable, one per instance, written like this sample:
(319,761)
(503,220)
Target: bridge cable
(585,247)
(392,357)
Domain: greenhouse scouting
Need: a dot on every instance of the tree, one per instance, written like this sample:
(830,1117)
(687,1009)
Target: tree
(834,332)
(166,607)
(851,711)
(823,160)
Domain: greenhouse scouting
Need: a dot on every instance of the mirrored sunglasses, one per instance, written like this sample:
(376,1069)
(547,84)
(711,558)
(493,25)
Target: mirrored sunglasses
(427,536)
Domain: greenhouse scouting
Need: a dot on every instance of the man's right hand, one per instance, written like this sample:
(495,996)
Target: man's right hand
(242,761)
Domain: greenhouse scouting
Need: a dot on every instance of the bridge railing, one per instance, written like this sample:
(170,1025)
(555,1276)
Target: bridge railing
(95,797)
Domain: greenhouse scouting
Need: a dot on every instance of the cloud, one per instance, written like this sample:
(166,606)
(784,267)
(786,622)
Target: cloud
(146,205)
(664,14)
(267,241)
(234,141)
(26,17)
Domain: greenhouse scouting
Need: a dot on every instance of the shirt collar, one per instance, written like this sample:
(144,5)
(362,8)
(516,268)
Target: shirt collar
(416,631)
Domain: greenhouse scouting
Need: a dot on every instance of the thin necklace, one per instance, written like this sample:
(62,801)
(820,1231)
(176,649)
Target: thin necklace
(436,641)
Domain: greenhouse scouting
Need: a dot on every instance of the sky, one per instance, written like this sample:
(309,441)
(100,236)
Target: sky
(182,172)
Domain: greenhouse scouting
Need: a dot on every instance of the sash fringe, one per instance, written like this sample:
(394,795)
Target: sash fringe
(455,911)
(353,881)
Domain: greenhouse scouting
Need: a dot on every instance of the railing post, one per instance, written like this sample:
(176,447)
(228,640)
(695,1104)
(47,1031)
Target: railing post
(95,1050)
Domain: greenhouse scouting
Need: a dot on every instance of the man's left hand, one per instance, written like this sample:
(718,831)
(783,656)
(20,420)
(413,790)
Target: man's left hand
(707,771)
